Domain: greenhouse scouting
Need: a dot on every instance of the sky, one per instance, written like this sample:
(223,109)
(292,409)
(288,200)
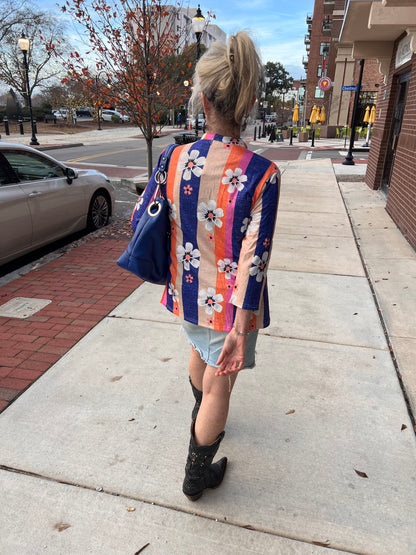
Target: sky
(277,26)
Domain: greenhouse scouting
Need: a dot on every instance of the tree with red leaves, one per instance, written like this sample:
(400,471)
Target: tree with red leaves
(132,58)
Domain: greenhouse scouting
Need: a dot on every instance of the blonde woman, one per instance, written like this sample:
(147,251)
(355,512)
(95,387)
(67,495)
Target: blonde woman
(223,201)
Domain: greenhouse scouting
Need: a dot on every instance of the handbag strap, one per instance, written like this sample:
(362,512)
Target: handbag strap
(161,173)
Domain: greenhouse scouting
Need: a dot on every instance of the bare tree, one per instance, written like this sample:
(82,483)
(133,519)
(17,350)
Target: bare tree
(12,12)
(46,35)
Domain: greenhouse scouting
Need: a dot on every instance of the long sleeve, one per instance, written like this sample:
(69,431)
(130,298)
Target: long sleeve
(257,244)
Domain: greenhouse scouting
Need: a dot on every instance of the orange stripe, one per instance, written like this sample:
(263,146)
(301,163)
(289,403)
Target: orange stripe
(232,162)
(272,169)
(172,186)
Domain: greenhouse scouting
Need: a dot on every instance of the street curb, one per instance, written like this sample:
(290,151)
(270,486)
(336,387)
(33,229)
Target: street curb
(57,147)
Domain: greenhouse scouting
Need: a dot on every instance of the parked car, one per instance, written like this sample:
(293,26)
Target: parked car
(42,200)
(107,115)
(84,112)
(201,121)
(60,114)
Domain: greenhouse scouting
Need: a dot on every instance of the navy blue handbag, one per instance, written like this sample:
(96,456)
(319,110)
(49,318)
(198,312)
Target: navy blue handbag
(147,254)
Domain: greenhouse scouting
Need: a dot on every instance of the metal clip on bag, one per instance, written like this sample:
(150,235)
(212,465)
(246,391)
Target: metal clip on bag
(147,254)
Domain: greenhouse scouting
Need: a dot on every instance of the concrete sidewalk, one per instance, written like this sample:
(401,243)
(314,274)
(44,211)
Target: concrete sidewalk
(319,438)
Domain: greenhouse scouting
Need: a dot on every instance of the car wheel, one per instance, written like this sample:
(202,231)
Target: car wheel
(99,211)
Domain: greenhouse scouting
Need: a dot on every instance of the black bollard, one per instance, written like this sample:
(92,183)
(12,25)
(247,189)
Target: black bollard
(313,137)
(291,136)
(6,125)
(255,133)
(21,126)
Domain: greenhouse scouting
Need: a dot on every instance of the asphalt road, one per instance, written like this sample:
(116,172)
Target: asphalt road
(130,153)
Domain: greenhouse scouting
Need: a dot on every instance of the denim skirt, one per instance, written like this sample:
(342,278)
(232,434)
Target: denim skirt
(209,343)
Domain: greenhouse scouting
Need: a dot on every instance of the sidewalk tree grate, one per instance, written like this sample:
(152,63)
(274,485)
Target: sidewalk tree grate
(22,307)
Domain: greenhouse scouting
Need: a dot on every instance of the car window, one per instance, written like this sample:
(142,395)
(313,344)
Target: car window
(29,166)
(7,175)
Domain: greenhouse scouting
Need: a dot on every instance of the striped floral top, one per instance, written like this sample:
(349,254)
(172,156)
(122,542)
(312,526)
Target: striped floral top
(223,201)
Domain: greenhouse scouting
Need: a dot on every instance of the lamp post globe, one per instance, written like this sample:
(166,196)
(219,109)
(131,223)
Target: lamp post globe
(24,45)
(198,25)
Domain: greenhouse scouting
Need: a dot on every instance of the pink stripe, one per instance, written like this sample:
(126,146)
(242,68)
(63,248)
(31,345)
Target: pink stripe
(228,252)
(245,159)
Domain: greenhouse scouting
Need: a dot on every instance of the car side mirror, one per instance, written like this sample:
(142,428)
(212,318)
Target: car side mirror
(71,174)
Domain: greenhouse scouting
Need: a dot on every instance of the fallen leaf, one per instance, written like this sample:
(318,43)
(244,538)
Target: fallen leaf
(322,544)
(290,411)
(131,510)
(404,427)
(361,474)
(62,526)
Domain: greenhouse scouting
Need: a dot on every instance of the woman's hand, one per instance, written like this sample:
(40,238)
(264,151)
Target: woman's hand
(232,355)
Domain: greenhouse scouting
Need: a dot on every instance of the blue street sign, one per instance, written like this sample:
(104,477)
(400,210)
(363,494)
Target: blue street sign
(350,88)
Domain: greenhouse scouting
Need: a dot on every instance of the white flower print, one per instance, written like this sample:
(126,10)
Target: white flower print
(234,179)
(251,224)
(259,266)
(230,268)
(188,256)
(191,163)
(234,141)
(210,214)
(172,210)
(210,300)
(174,292)
(138,203)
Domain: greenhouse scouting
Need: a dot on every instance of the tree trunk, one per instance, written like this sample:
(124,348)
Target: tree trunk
(149,143)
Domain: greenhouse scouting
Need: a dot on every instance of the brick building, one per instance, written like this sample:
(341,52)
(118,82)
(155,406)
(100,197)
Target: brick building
(387,31)
(326,57)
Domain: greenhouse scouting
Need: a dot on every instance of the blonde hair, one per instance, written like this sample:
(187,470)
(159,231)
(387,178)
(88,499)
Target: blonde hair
(228,75)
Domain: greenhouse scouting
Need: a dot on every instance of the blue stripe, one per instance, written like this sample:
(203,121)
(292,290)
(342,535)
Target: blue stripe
(188,207)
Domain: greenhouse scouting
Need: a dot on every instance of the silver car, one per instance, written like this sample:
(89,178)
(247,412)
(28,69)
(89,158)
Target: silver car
(42,200)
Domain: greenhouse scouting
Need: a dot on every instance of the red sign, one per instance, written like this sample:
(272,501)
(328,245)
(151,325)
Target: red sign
(324,83)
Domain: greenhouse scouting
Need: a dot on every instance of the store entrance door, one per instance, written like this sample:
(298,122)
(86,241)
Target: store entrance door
(396,125)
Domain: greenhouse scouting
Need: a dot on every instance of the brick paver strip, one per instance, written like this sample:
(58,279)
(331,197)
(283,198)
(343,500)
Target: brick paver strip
(84,285)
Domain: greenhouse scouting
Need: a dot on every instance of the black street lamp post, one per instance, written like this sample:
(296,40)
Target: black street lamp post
(186,85)
(349,159)
(198,25)
(24,44)
(97,81)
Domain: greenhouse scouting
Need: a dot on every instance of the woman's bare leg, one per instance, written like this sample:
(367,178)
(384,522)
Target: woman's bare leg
(196,369)
(213,412)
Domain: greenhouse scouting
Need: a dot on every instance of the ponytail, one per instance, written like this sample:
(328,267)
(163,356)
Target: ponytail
(228,75)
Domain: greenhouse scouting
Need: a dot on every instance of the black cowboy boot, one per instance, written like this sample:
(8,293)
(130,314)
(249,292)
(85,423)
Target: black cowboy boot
(200,473)
(198,399)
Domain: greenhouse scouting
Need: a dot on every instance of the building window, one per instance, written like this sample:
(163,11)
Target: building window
(324,49)
(319,71)
(319,93)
